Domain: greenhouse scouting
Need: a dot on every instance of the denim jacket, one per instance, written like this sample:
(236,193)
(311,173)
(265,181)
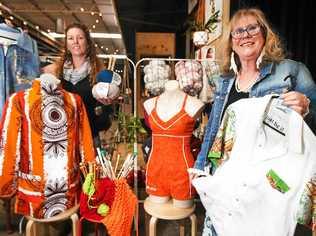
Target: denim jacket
(18,66)
(274,78)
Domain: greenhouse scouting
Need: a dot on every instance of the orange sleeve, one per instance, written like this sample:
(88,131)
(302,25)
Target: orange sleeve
(85,137)
(10,130)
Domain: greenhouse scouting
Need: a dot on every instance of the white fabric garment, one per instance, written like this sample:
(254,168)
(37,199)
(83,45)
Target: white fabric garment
(239,198)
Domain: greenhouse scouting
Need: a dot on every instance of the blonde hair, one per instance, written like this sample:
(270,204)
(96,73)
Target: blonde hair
(90,54)
(273,48)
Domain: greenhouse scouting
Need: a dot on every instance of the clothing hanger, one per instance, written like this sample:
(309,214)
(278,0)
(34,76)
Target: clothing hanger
(8,33)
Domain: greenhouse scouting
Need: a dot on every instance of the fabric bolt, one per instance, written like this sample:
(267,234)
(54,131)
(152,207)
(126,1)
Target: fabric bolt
(45,133)
(19,63)
(190,75)
(170,155)
(259,136)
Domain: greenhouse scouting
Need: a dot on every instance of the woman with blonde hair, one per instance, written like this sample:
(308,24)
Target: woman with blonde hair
(254,65)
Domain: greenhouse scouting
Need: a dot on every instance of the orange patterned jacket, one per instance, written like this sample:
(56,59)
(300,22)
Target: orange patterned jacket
(44,135)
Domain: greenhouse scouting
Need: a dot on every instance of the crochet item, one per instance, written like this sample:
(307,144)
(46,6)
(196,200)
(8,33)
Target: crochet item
(119,220)
(189,74)
(157,73)
(95,200)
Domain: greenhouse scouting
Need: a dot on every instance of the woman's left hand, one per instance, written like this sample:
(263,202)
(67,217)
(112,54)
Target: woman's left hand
(297,101)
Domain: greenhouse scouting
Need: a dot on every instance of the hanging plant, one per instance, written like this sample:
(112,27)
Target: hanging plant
(199,28)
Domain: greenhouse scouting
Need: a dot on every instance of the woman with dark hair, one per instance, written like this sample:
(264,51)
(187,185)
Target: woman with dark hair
(77,69)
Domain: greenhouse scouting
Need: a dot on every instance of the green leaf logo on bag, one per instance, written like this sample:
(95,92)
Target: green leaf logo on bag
(276,182)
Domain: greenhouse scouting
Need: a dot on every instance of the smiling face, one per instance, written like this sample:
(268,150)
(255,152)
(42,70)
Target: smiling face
(248,47)
(76,42)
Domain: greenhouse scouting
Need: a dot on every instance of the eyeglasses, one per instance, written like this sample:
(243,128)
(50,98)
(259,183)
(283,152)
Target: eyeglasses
(252,30)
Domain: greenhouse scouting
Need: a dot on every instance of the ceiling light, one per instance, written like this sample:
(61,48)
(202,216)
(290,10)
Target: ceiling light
(106,35)
(37,27)
(81,9)
(101,47)
(92,13)
(96,21)
(93,26)
(100,14)
(11,18)
(24,23)
(48,30)
(93,35)
(96,45)
(118,56)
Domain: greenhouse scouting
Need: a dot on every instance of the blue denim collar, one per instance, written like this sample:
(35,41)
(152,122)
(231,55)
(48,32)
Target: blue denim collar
(266,69)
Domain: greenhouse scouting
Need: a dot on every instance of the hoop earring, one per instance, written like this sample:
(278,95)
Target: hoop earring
(233,65)
(259,59)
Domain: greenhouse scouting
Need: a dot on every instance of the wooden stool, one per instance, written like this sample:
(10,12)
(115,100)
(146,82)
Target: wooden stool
(68,214)
(167,211)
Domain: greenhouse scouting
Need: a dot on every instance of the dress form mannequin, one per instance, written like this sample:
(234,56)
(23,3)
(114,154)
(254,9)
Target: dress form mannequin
(170,101)
(172,104)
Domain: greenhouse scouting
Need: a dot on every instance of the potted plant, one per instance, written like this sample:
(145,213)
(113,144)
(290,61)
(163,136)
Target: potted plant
(200,29)
(129,129)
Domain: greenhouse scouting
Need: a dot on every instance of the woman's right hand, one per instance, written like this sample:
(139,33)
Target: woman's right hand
(297,101)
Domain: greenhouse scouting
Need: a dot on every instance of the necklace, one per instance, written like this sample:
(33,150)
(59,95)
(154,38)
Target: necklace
(245,90)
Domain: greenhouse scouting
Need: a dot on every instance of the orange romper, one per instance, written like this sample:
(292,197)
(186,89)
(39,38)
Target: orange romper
(170,155)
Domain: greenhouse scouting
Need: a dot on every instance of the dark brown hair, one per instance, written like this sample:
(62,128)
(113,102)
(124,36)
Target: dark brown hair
(90,53)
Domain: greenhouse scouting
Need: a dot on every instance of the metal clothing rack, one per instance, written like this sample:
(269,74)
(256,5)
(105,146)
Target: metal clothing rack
(136,66)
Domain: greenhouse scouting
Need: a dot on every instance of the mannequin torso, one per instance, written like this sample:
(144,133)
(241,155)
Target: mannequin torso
(170,102)
(171,117)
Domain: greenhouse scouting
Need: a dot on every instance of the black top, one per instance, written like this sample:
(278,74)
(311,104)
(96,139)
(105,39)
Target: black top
(98,114)
(234,96)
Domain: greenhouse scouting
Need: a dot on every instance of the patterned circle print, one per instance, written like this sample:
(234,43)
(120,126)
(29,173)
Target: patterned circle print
(52,118)
(53,206)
